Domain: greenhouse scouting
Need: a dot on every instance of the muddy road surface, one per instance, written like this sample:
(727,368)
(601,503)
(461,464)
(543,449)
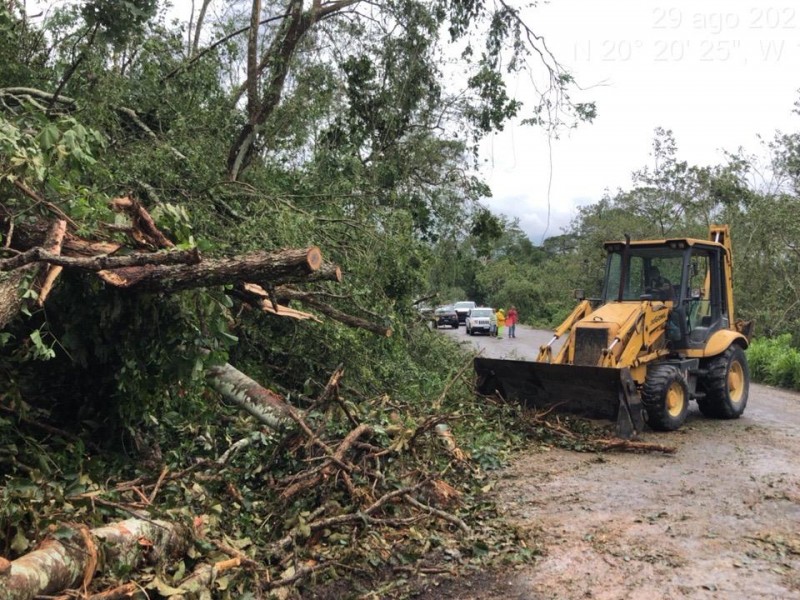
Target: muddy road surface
(720,518)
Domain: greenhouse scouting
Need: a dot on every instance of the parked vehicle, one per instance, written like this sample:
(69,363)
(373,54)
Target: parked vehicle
(480,320)
(445,315)
(463,308)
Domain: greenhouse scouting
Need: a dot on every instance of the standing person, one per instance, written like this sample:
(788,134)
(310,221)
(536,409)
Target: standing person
(511,321)
(501,321)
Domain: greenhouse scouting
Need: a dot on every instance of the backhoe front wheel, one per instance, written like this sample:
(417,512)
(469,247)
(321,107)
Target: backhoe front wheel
(665,396)
(726,385)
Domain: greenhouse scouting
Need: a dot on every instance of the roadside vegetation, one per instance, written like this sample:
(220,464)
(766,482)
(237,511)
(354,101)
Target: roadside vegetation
(775,361)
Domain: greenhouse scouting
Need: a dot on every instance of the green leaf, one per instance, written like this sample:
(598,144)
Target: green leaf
(63,533)
(49,136)
(19,544)
(165,589)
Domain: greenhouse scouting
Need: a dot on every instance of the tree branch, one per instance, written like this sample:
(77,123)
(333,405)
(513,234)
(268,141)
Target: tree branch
(216,45)
(334,313)
(100,263)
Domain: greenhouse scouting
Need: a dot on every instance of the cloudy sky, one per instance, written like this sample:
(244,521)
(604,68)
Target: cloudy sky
(716,73)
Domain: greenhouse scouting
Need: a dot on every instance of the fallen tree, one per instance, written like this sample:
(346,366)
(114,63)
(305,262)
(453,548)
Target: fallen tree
(280,266)
(265,405)
(72,559)
(170,272)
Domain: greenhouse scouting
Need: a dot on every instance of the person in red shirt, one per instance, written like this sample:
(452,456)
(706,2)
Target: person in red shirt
(511,321)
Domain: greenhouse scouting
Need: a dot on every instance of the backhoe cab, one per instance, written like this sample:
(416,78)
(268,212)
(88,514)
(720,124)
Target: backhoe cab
(663,333)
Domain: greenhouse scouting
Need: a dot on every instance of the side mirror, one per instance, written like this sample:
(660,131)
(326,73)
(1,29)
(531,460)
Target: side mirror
(579,295)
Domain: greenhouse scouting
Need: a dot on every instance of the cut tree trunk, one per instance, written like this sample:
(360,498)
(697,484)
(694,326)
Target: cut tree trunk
(55,565)
(270,268)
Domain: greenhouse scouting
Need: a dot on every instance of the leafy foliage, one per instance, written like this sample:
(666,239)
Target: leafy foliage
(775,361)
(352,141)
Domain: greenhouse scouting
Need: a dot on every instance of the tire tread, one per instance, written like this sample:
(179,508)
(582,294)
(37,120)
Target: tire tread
(716,403)
(659,377)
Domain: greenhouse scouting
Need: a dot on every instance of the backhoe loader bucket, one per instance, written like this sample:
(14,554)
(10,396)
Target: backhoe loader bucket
(594,392)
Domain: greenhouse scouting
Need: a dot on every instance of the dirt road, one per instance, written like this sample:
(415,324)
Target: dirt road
(718,519)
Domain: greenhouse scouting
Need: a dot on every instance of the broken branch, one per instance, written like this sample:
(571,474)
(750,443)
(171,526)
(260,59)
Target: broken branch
(265,405)
(334,313)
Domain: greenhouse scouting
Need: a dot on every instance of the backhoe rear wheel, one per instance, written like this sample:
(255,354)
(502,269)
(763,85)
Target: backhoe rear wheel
(726,386)
(665,396)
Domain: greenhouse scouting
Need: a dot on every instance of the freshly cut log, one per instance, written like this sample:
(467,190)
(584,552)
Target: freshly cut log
(281,266)
(56,566)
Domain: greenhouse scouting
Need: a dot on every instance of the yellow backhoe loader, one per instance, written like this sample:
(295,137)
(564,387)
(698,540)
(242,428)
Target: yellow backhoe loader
(662,333)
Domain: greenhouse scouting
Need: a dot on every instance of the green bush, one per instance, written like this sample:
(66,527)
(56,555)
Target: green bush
(775,361)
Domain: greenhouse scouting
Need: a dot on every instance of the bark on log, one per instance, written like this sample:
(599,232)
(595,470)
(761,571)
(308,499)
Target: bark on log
(270,268)
(10,298)
(265,405)
(307,298)
(103,262)
(326,272)
(55,566)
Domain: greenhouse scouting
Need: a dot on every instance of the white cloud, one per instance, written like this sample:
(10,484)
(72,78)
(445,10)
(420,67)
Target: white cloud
(717,73)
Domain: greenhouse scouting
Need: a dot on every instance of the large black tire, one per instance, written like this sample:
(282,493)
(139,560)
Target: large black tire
(665,396)
(726,385)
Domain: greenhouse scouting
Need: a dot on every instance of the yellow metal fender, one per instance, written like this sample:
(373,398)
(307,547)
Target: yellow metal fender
(718,343)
